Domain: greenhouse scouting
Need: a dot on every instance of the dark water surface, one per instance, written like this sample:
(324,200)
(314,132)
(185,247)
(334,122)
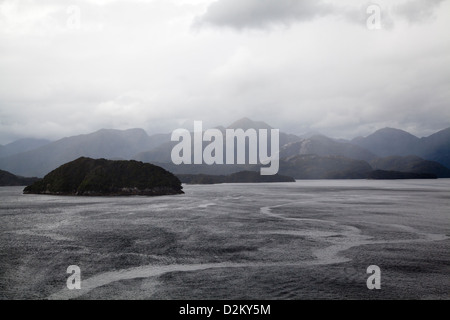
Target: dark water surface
(304,240)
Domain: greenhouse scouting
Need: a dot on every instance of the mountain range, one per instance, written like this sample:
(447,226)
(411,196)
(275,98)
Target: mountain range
(394,142)
(108,144)
(162,154)
(323,146)
(304,157)
(22,145)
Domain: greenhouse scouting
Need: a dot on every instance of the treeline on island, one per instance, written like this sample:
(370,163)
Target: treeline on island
(90,177)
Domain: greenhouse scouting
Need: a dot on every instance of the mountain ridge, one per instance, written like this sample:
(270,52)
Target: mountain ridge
(394,142)
(324,146)
(104,143)
(388,141)
(22,145)
(246,123)
(138,145)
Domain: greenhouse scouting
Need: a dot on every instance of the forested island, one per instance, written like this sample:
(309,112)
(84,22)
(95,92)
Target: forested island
(101,177)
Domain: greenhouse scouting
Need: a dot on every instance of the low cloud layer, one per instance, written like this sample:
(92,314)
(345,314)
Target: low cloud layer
(417,11)
(257,14)
(242,14)
(160,64)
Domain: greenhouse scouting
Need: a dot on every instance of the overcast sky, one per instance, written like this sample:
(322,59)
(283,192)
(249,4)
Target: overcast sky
(73,67)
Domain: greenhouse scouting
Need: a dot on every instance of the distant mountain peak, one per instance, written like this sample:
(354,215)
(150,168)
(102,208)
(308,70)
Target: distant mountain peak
(246,123)
(220,128)
(393,131)
(389,142)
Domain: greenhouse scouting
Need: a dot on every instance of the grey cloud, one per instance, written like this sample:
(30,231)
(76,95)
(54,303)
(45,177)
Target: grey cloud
(261,14)
(143,68)
(416,11)
(242,14)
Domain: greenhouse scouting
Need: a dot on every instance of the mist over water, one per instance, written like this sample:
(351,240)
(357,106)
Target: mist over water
(303,240)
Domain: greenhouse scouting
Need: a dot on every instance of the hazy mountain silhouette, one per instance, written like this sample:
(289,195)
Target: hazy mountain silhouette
(388,142)
(246,123)
(411,164)
(136,144)
(22,145)
(437,147)
(324,167)
(324,146)
(394,142)
(110,144)
(162,153)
